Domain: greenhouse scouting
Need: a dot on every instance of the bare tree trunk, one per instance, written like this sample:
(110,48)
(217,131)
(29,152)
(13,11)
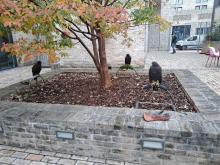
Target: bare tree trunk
(95,52)
(105,77)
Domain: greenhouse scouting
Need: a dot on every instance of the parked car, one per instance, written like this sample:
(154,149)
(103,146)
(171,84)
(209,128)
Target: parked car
(192,42)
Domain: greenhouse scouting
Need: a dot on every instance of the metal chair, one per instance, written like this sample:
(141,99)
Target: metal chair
(213,54)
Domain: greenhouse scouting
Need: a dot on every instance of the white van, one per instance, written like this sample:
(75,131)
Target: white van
(192,42)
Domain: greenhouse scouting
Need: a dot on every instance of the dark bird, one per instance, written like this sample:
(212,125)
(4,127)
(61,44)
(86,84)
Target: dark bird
(155,72)
(36,69)
(127,59)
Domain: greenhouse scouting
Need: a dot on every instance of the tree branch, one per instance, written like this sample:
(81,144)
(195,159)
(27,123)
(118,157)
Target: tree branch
(110,4)
(126,3)
(80,31)
(35,3)
(106,3)
(82,43)
(65,34)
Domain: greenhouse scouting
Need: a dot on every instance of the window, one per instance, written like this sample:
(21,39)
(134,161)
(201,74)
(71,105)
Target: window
(190,39)
(179,1)
(203,7)
(194,38)
(178,8)
(197,7)
(204,0)
(198,1)
(202,31)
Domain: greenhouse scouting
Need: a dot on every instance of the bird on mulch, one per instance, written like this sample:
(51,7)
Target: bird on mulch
(155,77)
(36,69)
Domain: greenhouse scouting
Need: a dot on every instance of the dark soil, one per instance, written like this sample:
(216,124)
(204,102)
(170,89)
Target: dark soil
(126,90)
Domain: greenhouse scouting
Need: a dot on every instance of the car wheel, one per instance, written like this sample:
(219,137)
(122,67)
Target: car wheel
(180,47)
(184,47)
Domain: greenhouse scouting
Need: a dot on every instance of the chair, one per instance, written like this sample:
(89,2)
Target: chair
(213,54)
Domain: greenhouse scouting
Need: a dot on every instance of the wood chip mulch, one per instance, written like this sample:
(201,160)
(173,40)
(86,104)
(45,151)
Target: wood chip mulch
(126,90)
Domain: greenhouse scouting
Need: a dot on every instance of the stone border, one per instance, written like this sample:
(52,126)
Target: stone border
(118,133)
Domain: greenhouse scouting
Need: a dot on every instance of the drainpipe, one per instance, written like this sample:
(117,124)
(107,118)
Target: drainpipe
(213,15)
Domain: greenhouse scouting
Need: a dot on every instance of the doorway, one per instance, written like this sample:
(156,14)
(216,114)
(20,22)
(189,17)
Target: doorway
(181,32)
(7,60)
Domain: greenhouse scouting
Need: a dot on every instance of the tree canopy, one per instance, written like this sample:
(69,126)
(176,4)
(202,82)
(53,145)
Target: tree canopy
(50,18)
(59,22)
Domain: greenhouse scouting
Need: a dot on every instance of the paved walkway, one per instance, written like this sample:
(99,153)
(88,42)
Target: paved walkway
(14,75)
(19,156)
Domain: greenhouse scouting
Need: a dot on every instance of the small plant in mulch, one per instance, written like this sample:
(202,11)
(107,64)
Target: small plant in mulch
(84,89)
(126,67)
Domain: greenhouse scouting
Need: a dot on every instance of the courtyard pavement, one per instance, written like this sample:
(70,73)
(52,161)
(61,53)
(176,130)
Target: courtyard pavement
(14,75)
(19,156)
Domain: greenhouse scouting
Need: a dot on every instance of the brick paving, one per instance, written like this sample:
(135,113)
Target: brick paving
(76,160)
(10,155)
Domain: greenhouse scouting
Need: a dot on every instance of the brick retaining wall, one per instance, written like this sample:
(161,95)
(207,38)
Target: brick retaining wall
(118,133)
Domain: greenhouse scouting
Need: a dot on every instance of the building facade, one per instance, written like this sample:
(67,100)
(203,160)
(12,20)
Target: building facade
(187,18)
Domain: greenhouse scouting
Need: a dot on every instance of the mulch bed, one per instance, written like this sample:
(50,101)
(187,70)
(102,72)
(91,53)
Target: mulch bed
(126,89)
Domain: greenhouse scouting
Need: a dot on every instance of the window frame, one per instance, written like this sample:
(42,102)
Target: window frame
(179,2)
(202,7)
(198,7)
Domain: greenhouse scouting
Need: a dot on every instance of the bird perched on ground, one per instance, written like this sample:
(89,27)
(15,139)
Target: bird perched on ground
(155,77)
(127,59)
(36,69)
(35,72)
(155,73)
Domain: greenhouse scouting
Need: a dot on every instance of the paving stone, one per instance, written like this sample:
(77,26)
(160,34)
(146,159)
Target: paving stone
(3,147)
(33,151)
(66,162)
(21,155)
(21,162)
(114,162)
(81,162)
(126,163)
(34,157)
(18,149)
(63,155)
(6,159)
(47,153)
(79,157)
(38,163)
(50,159)
(6,152)
(97,160)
